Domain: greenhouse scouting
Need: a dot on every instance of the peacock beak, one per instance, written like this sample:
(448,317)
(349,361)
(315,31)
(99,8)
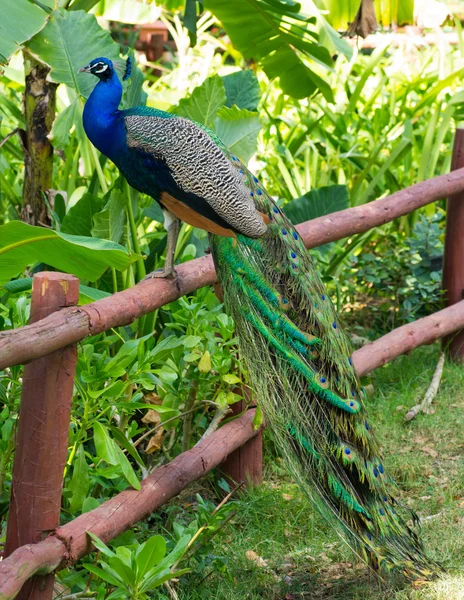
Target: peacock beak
(85,69)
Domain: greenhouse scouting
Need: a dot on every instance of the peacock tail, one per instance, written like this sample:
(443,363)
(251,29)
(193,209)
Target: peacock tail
(302,376)
(289,335)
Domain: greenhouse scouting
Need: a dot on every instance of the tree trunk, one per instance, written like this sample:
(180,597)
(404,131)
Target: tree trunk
(39,110)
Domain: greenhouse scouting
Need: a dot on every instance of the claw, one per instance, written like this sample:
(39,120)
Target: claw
(162,274)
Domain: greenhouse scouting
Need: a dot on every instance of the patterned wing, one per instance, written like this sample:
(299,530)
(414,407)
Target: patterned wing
(199,166)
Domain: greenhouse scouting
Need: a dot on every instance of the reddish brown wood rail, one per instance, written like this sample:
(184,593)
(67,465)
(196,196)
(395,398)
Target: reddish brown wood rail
(71,325)
(70,542)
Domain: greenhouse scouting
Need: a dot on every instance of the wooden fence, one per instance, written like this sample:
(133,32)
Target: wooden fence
(36,546)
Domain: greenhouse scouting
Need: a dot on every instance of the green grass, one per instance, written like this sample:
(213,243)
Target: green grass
(304,557)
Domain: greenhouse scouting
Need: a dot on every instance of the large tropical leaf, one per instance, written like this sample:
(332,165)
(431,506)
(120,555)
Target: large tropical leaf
(204,102)
(238,129)
(317,203)
(69,41)
(20,20)
(242,88)
(284,41)
(388,12)
(88,258)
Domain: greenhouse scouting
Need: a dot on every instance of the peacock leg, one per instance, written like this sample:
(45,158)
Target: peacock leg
(172,226)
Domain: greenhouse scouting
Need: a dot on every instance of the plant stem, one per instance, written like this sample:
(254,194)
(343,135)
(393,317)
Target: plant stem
(101,177)
(215,422)
(135,240)
(115,280)
(187,428)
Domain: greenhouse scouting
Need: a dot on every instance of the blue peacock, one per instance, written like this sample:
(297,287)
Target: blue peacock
(295,350)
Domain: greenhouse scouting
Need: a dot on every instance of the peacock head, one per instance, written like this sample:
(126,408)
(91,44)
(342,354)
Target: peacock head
(103,68)
(100,67)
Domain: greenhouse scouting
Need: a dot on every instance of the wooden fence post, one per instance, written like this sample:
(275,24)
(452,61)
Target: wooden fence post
(453,263)
(42,436)
(245,463)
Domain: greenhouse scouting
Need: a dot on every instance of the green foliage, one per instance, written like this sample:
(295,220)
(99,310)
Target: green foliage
(238,129)
(317,203)
(204,102)
(88,258)
(280,38)
(398,278)
(242,89)
(69,41)
(136,571)
(388,13)
(21,19)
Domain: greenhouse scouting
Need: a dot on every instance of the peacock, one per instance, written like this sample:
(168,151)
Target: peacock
(290,338)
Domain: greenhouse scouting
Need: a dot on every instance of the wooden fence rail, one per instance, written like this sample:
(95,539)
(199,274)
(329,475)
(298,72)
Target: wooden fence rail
(71,325)
(70,542)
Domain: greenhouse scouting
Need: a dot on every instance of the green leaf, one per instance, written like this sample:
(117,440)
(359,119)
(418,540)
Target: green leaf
(123,571)
(125,443)
(79,484)
(100,545)
(20,21)
(258,418)
(328,36)
(18,285)
(114,390)
(149,554)
(69,41)
(162,350)
(109,223)
(90,504)
(104,445)
(159,577)
(103,574)
(204,365)
(88,294)
(126,468)
(230,378)
(260,31)
(79,218)
(238,129)
(63,123)
(110,452)
(317,203)
(203,103)
(242,89)
(190,341)
(88,258)
(190,20)
(154,212)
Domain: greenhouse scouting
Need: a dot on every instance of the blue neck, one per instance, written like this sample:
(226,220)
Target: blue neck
(102,119)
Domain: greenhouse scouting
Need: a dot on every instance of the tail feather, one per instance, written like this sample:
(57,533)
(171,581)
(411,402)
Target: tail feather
(303,377)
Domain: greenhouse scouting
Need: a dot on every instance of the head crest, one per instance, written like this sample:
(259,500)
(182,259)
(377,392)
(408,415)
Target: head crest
(128,71)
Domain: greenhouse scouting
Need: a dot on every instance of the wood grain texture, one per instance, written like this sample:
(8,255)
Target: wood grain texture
(42,438)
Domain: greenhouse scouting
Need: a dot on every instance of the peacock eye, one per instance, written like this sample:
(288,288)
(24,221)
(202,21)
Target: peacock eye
(99,67)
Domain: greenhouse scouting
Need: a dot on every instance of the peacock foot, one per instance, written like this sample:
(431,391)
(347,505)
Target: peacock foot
(169,273)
